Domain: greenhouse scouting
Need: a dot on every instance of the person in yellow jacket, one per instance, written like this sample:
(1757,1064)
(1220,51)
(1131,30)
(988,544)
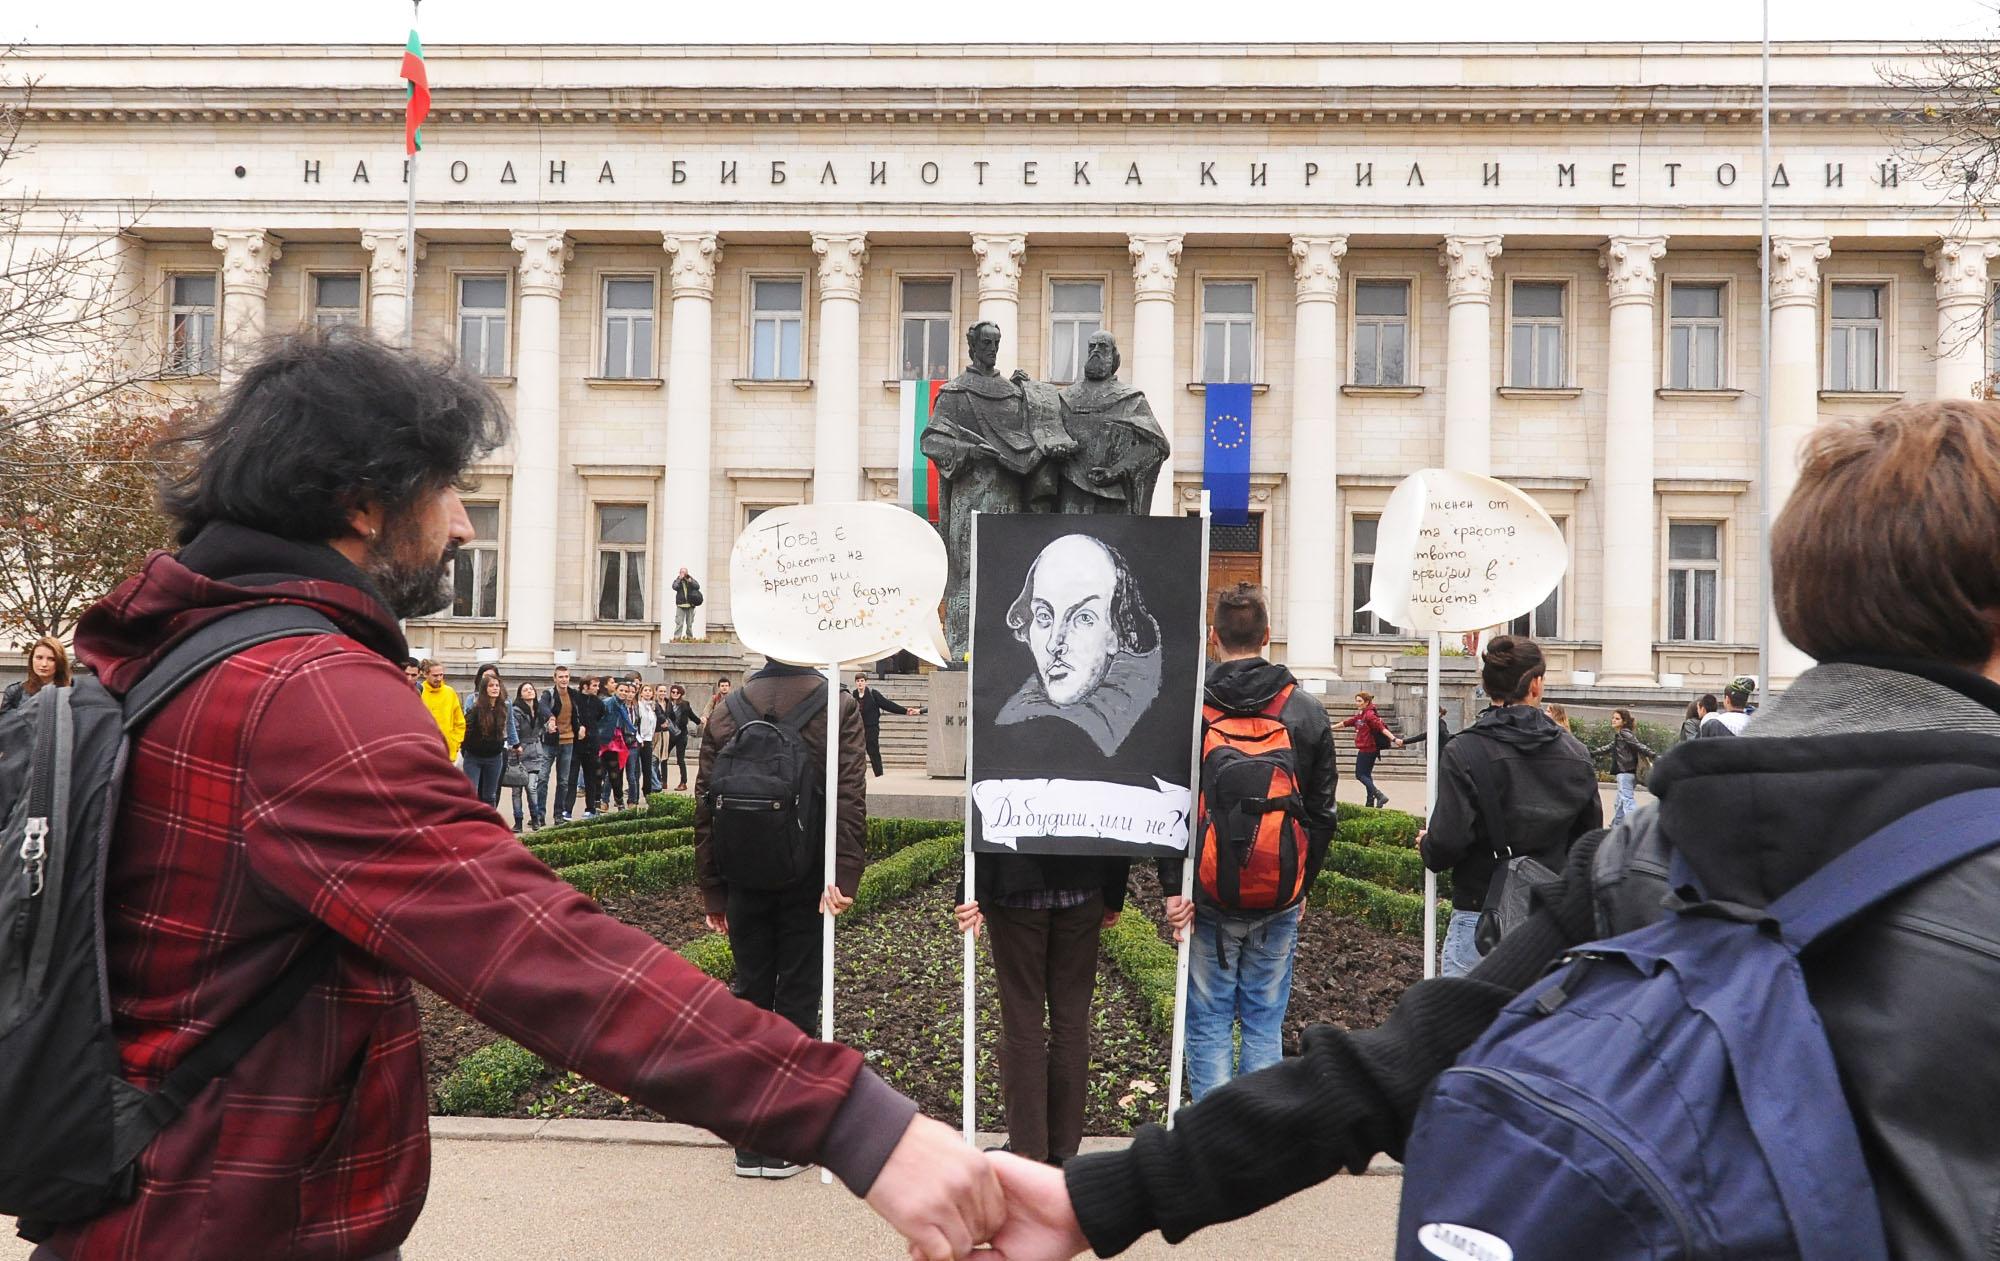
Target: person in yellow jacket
(442,701)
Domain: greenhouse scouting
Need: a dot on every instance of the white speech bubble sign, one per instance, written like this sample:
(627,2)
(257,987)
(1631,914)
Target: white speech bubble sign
(819,584)
(1460,552)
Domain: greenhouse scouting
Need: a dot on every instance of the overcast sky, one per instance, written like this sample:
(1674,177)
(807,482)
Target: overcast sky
(952,21)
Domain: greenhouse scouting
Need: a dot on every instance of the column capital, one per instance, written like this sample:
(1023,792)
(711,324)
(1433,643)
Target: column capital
(842,255)
(1960,267)
(388,270)
(544,254)
(999,255)
(1468,267)
(247,255)
(1628,267)
(1795,264)
(1156,264)
(1316,267)
(695,255)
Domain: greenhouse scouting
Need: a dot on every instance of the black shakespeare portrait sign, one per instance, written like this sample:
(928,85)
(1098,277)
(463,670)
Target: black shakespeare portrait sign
(1086,660)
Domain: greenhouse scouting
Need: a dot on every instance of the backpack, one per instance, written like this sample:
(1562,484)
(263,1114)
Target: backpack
(1670,1094)
(74,1127)
(1252,843)
(765,792)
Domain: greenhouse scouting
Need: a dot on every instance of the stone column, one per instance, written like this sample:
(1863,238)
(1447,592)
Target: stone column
(531,534)
(689,489)
(1156,269)
(999,255)
(1794,388)
(1312,610)
(388,282)
(1629,576)
(247,255)
(837,375)
(1468,373)
(1960,267)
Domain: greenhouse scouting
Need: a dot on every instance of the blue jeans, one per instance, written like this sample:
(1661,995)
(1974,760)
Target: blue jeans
(562,773)
(484,772)
(1364,770)
(1460,955)
(1627,800)
(635,777)
(1238,971)
(534,795)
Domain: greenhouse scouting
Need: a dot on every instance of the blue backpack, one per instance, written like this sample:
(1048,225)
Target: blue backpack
(1670,1094)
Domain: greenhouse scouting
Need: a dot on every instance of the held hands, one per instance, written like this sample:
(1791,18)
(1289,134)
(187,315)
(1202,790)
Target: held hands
(1180,915)
(939,1194)
(1039,1225)
(969,918)
(833,901)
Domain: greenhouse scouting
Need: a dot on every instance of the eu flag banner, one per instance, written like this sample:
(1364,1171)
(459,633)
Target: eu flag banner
(1225,460)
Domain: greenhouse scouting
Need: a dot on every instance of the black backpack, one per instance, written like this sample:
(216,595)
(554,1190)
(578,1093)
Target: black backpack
(73,1126)
(766,798)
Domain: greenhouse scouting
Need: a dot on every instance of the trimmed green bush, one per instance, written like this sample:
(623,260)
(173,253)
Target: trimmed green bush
(1133,945)
(1380,827)
(1379,908)
(486,1082)
(1400,870)
(886,836)
(635,873)
(674,807)
(560,854)
(914,865)
(712,955)
(623,824)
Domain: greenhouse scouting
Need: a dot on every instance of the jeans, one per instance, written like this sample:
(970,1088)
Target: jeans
(1627,799)
(652,762)
(562,773)
(593,777)
(484,772)
(1239,970)
(635,775)
(1460,955)
(533,795)
(683,623)
(678,750)
(1364,770)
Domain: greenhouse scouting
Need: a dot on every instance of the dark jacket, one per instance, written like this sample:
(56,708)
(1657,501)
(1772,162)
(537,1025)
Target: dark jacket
(545,709)
(1691,728)
(1625,749)
(777,689)
(1246,687)
(678,714)
(1543,787)
(1371,734)
(687,593)
(589,714)
(873,705)
(1444,734)
(480,743)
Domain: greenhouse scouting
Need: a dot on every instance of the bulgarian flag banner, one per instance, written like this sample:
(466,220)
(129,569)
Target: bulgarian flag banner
(419,106)
(916,476)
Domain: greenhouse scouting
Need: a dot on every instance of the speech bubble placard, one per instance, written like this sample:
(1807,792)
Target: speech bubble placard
(818,584)
(1461,552)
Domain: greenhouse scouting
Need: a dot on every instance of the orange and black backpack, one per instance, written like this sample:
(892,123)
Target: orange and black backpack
(1252,840)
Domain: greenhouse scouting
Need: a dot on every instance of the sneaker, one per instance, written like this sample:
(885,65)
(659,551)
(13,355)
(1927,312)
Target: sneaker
(776,1168)
(749,1165)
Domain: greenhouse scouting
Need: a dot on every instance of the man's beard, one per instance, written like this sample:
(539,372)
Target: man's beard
(410,583)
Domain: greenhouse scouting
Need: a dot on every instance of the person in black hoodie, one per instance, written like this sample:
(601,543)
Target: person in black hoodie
(1240,968)
(1513,783)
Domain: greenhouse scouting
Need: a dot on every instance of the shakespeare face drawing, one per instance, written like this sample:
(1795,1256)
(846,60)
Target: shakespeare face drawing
(1096,649)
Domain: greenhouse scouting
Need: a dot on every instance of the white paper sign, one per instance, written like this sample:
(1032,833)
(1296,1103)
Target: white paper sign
(1010,809)
(815,584)
(1460,552)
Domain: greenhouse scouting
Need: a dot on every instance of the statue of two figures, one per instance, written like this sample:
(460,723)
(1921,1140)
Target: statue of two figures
(1012,444)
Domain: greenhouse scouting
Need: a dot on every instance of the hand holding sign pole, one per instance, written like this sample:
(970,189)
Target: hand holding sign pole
(827,584)
(1458,552)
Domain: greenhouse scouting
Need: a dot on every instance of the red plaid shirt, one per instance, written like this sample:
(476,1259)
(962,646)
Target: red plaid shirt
(301,784)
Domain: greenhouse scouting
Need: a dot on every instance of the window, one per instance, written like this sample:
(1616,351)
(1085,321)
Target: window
(1545,620)
(1695,333)
(1228,314)
(1694,580)
(621,563)
(1361,549)
(475,574)
(336,299)
(777,314)
(628,327)
(1381,332)
(191,326)
(926,331)
(482,325)
(1076,311)
(1537,362)
(1854,347)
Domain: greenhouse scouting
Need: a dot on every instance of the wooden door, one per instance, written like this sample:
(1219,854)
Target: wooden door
(1235,554)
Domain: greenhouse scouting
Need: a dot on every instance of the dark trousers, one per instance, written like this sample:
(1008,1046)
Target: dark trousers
(875,749)
(775,936)
(678,751)
(1046,966)
(613,777)
(592,771)
(1364,771)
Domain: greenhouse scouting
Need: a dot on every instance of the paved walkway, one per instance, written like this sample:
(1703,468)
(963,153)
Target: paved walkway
(505,1196)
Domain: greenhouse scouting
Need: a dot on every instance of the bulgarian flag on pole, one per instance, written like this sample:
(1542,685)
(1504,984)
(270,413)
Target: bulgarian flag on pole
(419,107)
(916,476)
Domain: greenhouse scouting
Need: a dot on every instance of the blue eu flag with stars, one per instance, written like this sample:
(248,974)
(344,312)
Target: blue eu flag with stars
(1225,460)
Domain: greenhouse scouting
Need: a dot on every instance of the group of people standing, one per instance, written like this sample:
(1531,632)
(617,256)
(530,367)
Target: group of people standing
(612,738)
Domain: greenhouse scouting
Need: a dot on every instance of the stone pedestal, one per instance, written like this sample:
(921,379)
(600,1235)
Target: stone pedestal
(1458,678)
(948,711)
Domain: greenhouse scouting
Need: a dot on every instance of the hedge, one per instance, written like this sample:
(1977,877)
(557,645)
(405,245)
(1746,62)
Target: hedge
(1397,869)
(624,824)
(1379,908)
(1390,828)
(1133,945)
(914,865)
(886,836)
(560,854)
(635,873)
(486,1082)
(712,955)
(676,807)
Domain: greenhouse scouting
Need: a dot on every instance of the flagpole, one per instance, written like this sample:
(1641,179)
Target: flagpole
(410,231)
